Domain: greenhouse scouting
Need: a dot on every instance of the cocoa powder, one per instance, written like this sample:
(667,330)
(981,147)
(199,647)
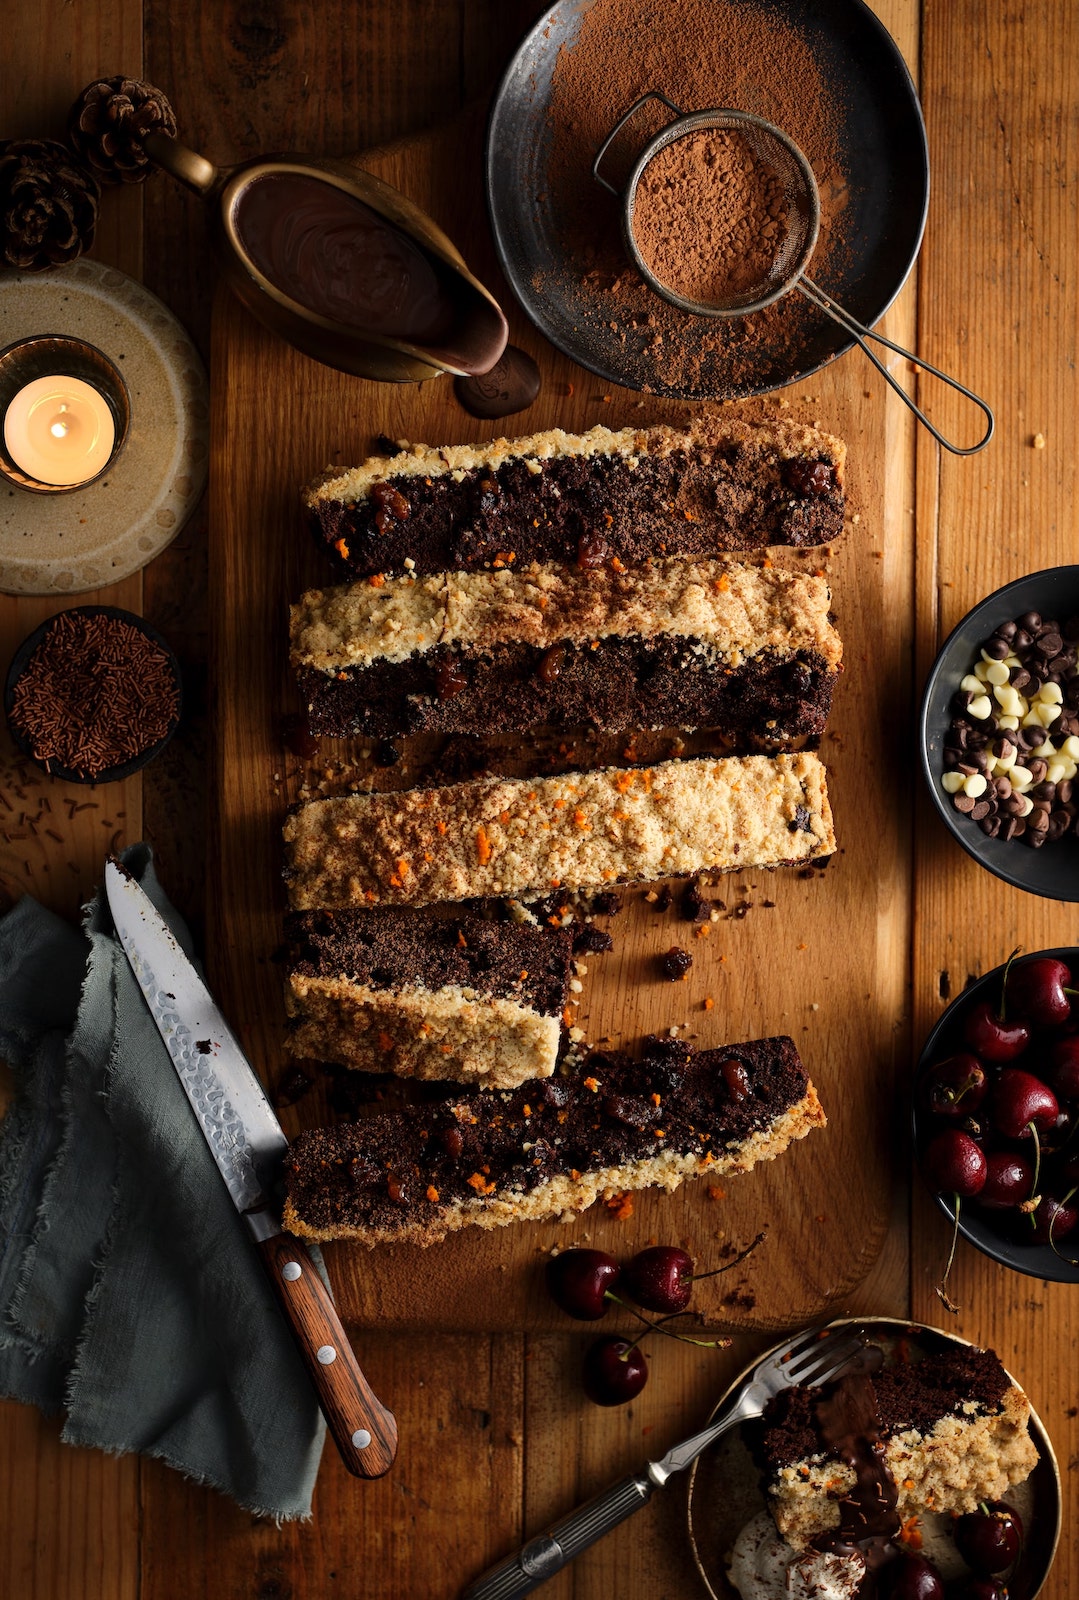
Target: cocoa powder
(709,218)
(742,56)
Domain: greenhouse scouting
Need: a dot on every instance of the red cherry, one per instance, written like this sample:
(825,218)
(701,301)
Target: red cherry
(1020,1099)
(913,1578)
(956,1087)
(1007,1180)
(990,1540)
(614,1371)
(982,1589)
(1035,989)
(578,1281)
(660,1279)
(1069,1170)
(1054,1220)
(990,1036)
(954,1164)
(1064,1067)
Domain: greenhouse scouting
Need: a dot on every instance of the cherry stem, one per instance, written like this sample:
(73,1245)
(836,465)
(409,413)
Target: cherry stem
(942,1287)
(1004,981)
(695,1277)
(1037,1165)
(657,1327)
(1052,1225)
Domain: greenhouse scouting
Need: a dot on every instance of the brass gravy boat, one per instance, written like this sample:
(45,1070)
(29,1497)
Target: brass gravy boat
(455,325)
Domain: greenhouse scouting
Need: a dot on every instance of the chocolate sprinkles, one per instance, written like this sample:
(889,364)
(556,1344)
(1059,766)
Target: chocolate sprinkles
(97,693)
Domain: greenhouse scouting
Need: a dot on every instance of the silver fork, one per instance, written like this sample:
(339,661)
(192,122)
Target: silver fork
(813,1357)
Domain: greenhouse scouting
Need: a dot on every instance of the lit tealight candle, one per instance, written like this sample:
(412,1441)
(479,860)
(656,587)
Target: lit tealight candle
(59,431)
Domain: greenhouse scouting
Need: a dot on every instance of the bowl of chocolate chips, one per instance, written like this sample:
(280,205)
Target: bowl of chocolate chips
(999,733)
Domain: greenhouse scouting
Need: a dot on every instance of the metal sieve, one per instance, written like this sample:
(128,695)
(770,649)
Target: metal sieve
(776,152)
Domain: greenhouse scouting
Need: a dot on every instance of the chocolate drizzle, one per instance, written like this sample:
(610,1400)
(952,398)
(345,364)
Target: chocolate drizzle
(848,1419)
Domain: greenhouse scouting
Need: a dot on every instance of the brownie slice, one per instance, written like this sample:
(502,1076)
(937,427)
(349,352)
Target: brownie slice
(582,830)
(406,992)
(749,651)
(953,1426)
(718,484)
(553,1147)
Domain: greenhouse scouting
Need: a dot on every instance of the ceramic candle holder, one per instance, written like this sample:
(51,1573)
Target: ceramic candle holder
(45,356)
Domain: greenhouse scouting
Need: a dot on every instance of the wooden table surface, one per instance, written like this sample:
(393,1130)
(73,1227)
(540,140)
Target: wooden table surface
(498,1441)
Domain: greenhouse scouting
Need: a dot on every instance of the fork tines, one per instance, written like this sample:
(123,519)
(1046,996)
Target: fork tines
(819,1357)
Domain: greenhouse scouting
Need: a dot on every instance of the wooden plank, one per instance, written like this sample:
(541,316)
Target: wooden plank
(999,305)
(457,1485)
(69,1517)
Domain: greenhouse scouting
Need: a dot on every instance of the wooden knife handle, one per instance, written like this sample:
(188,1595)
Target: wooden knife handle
(363,1430)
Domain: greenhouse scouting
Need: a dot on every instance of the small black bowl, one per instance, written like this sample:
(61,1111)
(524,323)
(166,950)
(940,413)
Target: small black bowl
(980,1228)
(20,661)
(1052,871)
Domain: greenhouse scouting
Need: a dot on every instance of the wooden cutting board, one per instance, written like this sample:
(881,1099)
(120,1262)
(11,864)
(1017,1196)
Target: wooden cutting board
(821,957)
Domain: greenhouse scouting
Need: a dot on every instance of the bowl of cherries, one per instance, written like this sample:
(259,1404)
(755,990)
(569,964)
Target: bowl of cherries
(996,1114)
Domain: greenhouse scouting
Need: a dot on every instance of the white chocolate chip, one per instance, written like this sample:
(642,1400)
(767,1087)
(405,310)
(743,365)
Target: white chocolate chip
(1004,763)
(1021,777)
(980,707)
(1025,807)
(981,671)
(996,672)
(971,684)
(1056,771)
(1070,748)
(1008,722)
(953,782)
(1008,699)
(1051,694)
(1032,719)
(975,785)
(1047,714)
(1070,769)
(1046,749)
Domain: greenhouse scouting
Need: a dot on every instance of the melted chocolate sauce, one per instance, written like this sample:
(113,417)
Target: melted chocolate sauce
(849,1423)
(331,253)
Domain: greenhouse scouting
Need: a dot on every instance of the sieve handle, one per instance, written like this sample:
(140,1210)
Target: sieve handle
(653,94)
(861,333)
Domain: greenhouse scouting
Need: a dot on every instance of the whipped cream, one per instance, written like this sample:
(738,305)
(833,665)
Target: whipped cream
(764,1566)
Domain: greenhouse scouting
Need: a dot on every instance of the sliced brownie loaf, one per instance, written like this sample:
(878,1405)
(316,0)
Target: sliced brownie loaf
(718,484)
(548,1148)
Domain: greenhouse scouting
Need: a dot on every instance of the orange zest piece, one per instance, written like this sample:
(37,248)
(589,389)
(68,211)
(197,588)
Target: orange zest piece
(483,845)
(377,581)
(342,548)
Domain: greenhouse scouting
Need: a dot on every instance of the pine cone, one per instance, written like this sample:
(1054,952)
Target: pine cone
(108,122)
(48,204)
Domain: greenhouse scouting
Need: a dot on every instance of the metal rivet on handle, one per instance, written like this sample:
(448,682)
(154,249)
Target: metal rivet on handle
(291,1271)
(361,1438)
(326,1353)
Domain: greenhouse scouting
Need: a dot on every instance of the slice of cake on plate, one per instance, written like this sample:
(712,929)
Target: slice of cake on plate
(953,1428)
(552,1147)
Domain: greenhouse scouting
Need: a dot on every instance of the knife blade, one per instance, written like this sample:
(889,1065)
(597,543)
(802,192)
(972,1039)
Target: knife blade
(248,1144)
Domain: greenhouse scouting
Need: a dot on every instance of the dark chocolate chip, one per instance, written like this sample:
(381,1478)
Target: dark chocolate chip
(675,963)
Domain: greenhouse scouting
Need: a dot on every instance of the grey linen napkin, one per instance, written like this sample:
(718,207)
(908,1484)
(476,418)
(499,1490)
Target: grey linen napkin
(130,1293)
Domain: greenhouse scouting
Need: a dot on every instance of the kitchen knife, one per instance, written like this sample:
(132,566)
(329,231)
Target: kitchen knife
(248,1144)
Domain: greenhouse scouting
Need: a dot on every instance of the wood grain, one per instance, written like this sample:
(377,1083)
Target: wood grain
(766,971)
(496,1440)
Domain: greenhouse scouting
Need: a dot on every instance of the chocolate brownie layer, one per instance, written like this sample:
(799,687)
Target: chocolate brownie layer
(404,992)
(585,499)
(692,644)
(547,1148)
(954,1429)
(582,830)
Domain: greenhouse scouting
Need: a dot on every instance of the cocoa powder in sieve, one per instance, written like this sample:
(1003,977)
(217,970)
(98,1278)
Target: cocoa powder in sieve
(709,218)
(738,54)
